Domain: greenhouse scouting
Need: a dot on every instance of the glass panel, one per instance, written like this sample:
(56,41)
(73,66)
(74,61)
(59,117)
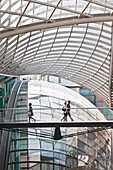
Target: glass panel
(46,167)
(47,156)
(46,145)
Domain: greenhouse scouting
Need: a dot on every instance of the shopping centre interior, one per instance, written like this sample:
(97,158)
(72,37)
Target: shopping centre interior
(51,52)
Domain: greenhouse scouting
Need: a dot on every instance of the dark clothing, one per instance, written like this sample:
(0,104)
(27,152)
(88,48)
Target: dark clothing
(31,110)
(68,111)
(68,108)
(64,109)
(30,113)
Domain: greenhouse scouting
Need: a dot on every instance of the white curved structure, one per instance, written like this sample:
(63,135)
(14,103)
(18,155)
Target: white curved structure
(70,39)
(77,151)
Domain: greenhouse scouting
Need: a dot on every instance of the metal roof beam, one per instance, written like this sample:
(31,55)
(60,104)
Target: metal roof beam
(56,7)
(23,14)
(100,4)
(55,23)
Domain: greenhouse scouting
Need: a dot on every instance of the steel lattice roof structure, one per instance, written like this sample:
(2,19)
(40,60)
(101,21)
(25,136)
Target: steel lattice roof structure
(72,39)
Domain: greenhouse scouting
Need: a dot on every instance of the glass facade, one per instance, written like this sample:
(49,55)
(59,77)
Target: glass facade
(89,147)
(71,39)
(18,154)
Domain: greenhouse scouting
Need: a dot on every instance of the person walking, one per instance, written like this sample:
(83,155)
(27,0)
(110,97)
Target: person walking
(64,109)
(30,113)
(68,109)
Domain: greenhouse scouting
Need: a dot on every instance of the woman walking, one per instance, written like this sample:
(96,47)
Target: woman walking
(30,113)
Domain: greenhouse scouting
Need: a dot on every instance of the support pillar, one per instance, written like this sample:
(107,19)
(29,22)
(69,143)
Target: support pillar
(111,73)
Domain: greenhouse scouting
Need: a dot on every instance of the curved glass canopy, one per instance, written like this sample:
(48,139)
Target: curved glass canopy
(65,38)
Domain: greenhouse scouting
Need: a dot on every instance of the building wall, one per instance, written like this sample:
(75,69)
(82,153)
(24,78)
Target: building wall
(93,149)
(84,92)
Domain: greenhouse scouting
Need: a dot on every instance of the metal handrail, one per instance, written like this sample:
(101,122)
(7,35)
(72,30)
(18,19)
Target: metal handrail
(57,124)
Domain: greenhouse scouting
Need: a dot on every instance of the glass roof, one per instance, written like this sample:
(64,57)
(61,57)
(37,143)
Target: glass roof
(65,38)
